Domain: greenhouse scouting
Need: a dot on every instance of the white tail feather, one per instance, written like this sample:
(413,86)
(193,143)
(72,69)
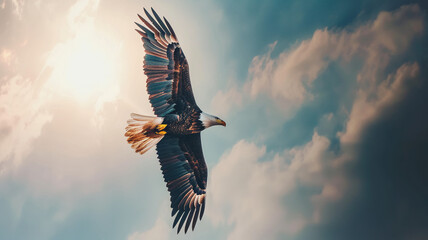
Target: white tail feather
(141,132)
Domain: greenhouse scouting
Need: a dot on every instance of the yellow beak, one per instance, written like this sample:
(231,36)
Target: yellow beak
(221,122)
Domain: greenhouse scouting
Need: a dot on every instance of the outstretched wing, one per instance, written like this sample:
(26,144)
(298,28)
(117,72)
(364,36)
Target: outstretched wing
(166,67)
(185,172)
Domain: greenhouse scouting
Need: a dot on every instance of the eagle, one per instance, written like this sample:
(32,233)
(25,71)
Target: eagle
(176,128)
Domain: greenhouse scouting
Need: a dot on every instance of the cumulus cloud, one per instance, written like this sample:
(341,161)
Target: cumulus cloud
(288,78)
(254,203)
(248,193)
(369,103)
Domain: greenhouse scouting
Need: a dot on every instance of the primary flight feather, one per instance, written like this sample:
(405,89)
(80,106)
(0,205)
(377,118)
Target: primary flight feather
(176,129)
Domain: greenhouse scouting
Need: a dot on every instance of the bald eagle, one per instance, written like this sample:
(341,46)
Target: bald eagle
(176,128)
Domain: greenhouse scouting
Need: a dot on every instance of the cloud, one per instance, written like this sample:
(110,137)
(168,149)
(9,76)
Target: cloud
(72,174)
(248,193)
(19,5)
(160,231)
(224,101)
(369,103)
(25,101)
(22,118)
(27,105)
(6,56)
(84,65)
(298,187)
(288,78)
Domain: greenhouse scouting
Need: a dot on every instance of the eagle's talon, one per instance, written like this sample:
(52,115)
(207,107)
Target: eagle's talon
(161,127)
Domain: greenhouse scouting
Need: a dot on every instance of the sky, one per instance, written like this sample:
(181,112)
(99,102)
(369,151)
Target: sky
(325,104)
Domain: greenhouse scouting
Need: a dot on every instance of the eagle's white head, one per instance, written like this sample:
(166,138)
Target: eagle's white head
(210,120)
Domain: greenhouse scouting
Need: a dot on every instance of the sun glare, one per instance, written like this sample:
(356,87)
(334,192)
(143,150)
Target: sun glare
(84,67)
(88,71)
